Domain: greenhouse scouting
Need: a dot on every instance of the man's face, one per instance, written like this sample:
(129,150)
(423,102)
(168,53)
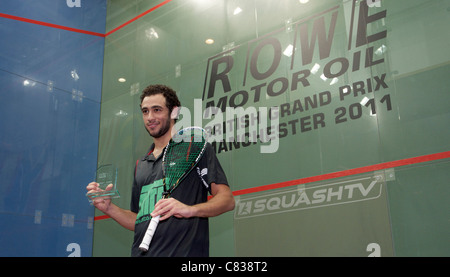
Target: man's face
(156,115)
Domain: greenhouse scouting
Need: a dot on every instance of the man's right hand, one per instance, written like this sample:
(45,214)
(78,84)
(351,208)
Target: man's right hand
(101,203)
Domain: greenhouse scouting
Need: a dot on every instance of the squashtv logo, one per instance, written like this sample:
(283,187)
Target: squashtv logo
(303,197)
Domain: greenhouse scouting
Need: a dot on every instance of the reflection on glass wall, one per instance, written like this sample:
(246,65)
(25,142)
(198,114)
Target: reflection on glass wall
(360,92)
(49,112)
(353,95)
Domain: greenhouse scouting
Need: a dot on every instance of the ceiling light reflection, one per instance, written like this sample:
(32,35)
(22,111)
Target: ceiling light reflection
(151,33)
(315,68)
(29,83)
(334,81)
(74,75)
(289,50)
(121,113)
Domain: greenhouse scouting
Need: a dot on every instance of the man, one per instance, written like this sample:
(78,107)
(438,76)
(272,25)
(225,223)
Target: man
(183,226)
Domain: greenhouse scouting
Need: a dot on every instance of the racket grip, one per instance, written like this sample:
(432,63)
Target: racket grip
(149,234)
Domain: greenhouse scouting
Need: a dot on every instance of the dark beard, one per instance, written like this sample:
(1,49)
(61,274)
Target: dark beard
(165,128)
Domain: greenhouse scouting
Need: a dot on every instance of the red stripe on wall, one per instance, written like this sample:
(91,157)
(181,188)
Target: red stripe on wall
(101,217)
(42,23)
(137,17)
(354,171)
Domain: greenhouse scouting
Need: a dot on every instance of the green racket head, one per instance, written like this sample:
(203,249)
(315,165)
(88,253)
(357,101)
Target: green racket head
(182,154)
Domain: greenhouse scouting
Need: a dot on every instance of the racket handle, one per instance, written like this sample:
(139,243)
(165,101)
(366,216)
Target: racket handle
(149,234)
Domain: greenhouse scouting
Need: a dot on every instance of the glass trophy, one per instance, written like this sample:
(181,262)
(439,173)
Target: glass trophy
(106,175)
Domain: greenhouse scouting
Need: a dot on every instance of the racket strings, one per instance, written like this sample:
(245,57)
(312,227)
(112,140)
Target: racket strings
(180,157)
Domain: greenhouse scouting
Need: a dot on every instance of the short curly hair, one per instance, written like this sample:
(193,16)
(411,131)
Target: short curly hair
(168,93)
